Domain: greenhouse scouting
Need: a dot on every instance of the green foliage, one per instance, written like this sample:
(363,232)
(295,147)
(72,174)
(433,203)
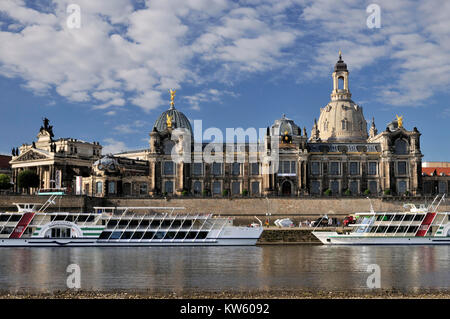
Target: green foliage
(367,192)
(347,192)
(5,181)
(387,191)
(225,193)
(407,193)
(184,193)
(27,179)
(205,192)
(244,192)
(327,192)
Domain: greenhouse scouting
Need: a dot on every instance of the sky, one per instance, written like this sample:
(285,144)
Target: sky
(233,64)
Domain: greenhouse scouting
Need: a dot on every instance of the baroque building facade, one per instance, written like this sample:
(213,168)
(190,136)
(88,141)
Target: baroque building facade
(341,156)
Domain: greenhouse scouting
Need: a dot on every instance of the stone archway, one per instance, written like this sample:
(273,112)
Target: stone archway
(286,188)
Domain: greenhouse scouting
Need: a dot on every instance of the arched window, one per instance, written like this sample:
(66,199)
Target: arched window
(341,83)
(401,147)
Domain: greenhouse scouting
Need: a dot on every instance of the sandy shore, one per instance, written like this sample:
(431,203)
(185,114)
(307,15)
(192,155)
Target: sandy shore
(257,294)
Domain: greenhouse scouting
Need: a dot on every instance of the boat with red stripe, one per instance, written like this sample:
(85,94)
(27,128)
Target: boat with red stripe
(422,225)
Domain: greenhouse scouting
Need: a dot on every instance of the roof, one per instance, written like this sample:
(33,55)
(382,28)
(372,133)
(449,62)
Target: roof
(436,171)
(4,161)
(179,120)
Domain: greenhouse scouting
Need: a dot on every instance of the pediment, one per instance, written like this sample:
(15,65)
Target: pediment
(31,155)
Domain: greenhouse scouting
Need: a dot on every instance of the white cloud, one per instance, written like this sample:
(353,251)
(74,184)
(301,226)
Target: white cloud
(123,55)
(207,95)
(113,146)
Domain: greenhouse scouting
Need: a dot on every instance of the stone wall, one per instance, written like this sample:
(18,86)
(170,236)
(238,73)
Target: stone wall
(245,208)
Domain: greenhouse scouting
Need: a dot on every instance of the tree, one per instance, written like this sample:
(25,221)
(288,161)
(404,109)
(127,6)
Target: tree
(5,181)
(27,179)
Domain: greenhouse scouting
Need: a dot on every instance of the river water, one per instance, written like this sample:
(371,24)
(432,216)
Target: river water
(168,269)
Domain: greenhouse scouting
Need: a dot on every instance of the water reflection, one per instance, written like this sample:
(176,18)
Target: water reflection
(218,268)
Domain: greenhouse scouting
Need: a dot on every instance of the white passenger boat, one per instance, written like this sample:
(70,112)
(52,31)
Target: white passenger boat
(422,225)
(120,226)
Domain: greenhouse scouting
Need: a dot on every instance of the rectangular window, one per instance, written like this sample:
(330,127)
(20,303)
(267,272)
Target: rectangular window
(236,168)
(354,168)
(401,168)
(334,168)
(334,187)
(143,188)
(354,187)
(197,169)
(197,187)
(287,168)
(315,187)
(315,168)
(217,188)
(169,168)
(442,187)
(111,188)
(168,187)
(99,187)
(255,187)
(373,187)
(401,187)
(255,168)
(217,169)
(372,169)
(236,188)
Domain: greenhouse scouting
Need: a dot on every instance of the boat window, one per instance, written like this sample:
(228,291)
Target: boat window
(123,223)
(419,217)
(137,235)
(391,229)
(15,218)
(408,217)
(111,223)
(402,229)
(398,217)
(116,235)
(82,218)
(412,229)
(381,229)
(149,235)
(104,235)
(155,223)
(7,230)
(133,223)
(188,223)
(180,235)
(176,224)
(126,235)
(4,217)
(144,224)
(191,235)
(160,235)
(166,223)
(170,235)
(202,235)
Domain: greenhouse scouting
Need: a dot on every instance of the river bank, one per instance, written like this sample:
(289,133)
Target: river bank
(252,294)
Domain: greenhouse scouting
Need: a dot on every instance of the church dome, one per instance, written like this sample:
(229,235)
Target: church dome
(342,119)
(284,126)
(178,119)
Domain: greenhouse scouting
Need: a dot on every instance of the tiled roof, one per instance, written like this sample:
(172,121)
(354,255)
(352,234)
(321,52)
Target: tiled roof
(436,171)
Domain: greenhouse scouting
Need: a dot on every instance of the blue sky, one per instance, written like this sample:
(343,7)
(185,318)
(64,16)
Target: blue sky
(233,63)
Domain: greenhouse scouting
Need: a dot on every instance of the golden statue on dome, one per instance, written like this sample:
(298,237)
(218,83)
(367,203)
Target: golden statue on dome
(172,97)
(169,120)
(399,120)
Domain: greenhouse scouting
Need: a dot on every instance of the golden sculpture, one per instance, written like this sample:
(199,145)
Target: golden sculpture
(169,120)
(172,97)
(399,120)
